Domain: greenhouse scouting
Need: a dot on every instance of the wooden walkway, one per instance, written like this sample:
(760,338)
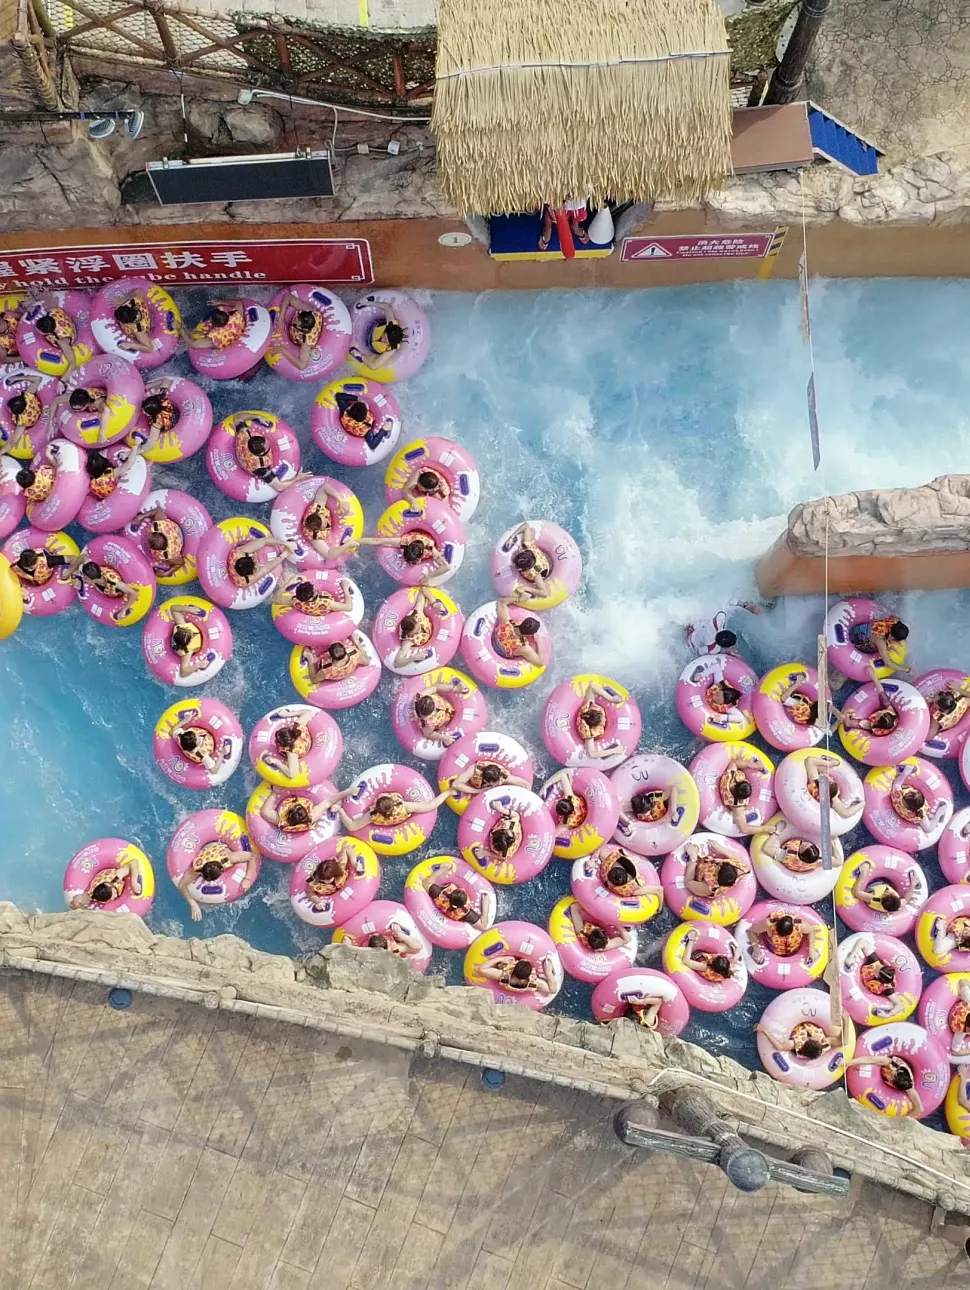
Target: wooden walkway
(171,1148)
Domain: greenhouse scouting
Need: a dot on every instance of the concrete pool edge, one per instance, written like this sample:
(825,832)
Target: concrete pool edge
(369,995)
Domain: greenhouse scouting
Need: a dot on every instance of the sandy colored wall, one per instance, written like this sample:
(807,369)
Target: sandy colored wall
(407,253)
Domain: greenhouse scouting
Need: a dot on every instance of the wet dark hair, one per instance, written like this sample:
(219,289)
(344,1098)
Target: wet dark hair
(617,875)
(211,870)
(564,808)
(377,942)
(102,893)
(424,705)
(181,638)
(152,406)
(24,477)
(902,1077)
(458,899)
(885,720)
(408,624)
(899,631)
(336,651)
(297,814)
(357,411)
(594,717)
(501,839)
(126,313)
(188,740)
(741,791)
(394,334)
(785,925)
(891,902)
(428,480)
(245,566)
(218,317)
(641,803)
(306,318)
(729,694)
(304,592)
(720,964)
(946,700)
(286,737)
(326,871)
(383,803)
(47,325)
(727,874)
(524,560)
(90,569)
(17,404)
(811,1048)
(257,445)
(522,970)
(912,797)
(313,522)
(97,465)
(597,938)
(157,542)
(413,552)
(809,853)
(79,399)
(886,974)
(812,712)
(529,626)
(27,560)
(725,639)
(491,774)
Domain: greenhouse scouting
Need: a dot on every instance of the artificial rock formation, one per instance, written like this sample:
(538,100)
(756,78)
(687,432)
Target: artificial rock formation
(885,521)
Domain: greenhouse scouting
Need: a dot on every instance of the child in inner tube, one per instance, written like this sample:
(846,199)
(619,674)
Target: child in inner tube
(878,637)
(333,874)
(24,407)
(910,804)
(164,539)
(807,1039)
(649,806)
(388,809)
(57,328)
(416,548)
(396,940)
(877,977)
(160,412)
(447,897)
(103,477)
(511,639)
(814,768)
(593,936)
(336,661)
(591,720)
(222,327)
(303,596)
(881,896)
(569,809)
(384,338)
(188,642)
(36,566)
(317,524)
(504,838)
(134,318)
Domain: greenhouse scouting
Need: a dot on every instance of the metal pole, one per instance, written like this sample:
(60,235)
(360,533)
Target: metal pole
(786,80)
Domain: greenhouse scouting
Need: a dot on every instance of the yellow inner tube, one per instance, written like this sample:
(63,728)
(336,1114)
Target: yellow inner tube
(11,600)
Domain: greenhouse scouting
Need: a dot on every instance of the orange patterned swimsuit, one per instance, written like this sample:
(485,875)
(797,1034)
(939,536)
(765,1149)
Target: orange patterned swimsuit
(441,903)
(427,542)
(543,565)
(947,720)
(166,416)
(41,573)
(298,336)
(578,811)
(476,780)
(63,325)
(8,337)
(657,809)
(31,414)
(707,870)
(346,667)
(799,708)
(104,485)
(228,334)
(443,715)
(304,741)
(868,977)
(707,973)
(507,639)
(726,785)
(174,541)
(784,946)
(326,523)
(898,803)
(237,578)
(43,485)
(806,1030)
(143,322)
(205,745)
(792,858)
(398,813)
(958,1017)
(286,808)
(359,429)
(248,460)
(584,729)
(423,630)
(212,851)
(714,706)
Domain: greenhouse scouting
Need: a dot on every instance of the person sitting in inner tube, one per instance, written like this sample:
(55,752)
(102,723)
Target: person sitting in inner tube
(479,776)
(734,789)
(304,597)
(398,941)
(642,1007)
(814,767)
(25,407)
(591,720)
(519,974)
(434,709)
(57,328)
(86,573)
(713,872)
(958,1021)
(36,566)
(86,402)
(593,936)
(357,419)
(808,1039)
(295,813)
(883,721)
(875,638)
(332,875)
(103,477)
(199,746)
(570,810)
(387,811)
(9,318)
(384,338)
(293,741)
(165,540)
(780,933)
(950,936)
(416,548)
(515,640)
(317,524)
(947,708)
(134,318)
(209,865)
(447,897)
(109,884)
(619,873)
(39,484)
(877,976)
(504,838)
(897,1073)
(188,642)
(800,708)
(223,326)
(910,804)
(795,854)
(243,567)
(649,806)
(304,329)
(723,698)
(254,453)
(336,661)
(426,481)
(161,413)
(530,562)
(881,896)
(415,631)
(713,966)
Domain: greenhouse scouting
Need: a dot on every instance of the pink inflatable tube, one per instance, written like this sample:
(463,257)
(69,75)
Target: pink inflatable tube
(198,831)
(786,877)
(362,885)
(163,331)
(922,1054)
(841,622)
(330,349)
(883,866)
(561,736)
(194,522)
(797,802)
(954,849)
(280,844)
(449,933)
(348,691)
(70,486)
(216,547)
(290,510)
(945,743)
(943,1014)
(538,834)
(380,918)
(25,442)
(708,769)
(469,715)
(339,444)
(225,465)
(865,1006)
(725,908)
(707,996)
(560,549)
(598,824)
(54,595)
(942,920)
(370,312)
(429,518)
(205,714)
(510,941)
(112,853)
(446,624)
(773,718)
(646,773)
(131,566)
(586,881)
(299,627)
(191,426)
(781,971)
(125,392)
(694,705)
(488,747)
(156,642)
(616,996)
(908,737)
(34,346)
(317,763)
(395,839)
(487,664)
(240,358)
(882,818)
(579,960)
(453,464)
(782,1015)
(13,504)
(964,751)
(111,513)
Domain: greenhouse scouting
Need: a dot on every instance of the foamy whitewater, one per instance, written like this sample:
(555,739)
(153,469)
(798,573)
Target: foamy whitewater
(667,430)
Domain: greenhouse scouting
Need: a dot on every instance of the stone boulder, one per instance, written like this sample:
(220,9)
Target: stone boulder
(886,521)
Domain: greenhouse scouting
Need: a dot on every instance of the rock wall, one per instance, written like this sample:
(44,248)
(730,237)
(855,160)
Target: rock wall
(885,521)
(376,997)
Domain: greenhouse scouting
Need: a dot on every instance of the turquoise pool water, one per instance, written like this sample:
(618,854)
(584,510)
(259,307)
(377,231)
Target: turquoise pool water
(666,429)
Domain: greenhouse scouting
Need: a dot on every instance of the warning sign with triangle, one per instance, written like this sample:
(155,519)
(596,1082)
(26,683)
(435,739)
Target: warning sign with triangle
(652,251)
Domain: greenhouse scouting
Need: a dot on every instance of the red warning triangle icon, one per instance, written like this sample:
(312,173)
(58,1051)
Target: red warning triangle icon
(652,251)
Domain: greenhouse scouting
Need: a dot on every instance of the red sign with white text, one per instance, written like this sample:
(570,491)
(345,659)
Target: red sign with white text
(699,246)
(190,263)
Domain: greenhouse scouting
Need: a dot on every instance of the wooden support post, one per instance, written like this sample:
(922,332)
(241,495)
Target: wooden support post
(164,31)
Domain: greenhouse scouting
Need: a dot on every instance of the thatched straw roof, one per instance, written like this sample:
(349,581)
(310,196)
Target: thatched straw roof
(545,100)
